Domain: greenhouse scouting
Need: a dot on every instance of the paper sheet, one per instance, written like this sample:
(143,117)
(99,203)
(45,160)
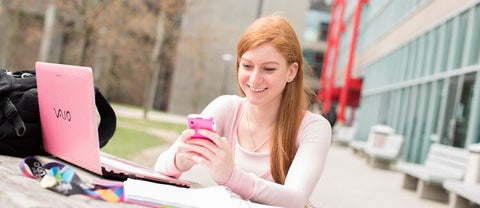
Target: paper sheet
(154,194)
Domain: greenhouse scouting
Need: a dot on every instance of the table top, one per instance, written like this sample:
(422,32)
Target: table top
(18,190)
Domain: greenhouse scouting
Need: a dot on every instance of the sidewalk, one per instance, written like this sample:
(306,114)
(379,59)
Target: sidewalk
(347,181)
(150,155)
(154,115)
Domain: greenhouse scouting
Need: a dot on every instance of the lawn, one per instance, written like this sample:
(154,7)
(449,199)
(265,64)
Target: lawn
(129,141)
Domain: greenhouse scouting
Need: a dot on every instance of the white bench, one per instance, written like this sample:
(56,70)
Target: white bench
(344,134)
(358,147)
(375,141)
(443,163)
(381,154)
(462,195)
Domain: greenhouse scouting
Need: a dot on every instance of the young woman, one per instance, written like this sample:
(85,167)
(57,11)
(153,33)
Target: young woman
(268,148)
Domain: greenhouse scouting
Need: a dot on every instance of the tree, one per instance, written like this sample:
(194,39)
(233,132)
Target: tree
(99,33)
(169,20)
(150,90)
(174,12)
(48,26)
(116,38)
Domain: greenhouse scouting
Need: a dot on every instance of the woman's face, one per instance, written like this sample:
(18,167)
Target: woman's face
(263,73)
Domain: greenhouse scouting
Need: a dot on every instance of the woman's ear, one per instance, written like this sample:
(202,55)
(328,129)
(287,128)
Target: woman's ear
(292,71)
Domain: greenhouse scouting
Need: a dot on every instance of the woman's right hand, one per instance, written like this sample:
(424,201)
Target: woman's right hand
(183,156)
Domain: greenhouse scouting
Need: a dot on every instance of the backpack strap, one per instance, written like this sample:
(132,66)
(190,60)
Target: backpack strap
(9,83)
(9,110)
(108,119)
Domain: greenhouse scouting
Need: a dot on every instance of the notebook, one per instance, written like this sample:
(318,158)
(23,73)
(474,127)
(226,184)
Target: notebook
(160,195)
(69,121)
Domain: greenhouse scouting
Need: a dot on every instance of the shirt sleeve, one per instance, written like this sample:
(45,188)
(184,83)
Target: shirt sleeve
(314,140)
(165,163)
(223,109)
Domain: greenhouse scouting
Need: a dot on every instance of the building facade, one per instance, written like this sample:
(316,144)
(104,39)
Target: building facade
(420,65)
(206,54)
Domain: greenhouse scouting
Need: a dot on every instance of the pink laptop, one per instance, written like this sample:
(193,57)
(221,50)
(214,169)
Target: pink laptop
(70,128)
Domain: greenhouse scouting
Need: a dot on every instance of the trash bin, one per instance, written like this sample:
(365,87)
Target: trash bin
(472,173)
(378,134)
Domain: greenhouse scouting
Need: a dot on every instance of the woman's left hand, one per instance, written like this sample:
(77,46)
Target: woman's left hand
(216,155)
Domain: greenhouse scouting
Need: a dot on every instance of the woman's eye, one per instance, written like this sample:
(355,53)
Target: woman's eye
(246,65)
(269,69)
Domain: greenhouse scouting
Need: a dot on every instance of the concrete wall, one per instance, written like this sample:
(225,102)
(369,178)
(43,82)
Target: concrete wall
(211,28)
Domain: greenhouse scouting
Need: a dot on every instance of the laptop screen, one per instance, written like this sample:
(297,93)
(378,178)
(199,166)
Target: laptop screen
(68,115)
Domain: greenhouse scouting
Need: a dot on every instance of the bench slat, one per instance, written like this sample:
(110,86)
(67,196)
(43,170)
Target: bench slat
(467,191)
(443,162)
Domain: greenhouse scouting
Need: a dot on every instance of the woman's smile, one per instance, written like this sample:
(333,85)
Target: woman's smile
(256,89)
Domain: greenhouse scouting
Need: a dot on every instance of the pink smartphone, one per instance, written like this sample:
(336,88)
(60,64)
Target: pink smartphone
(197,121)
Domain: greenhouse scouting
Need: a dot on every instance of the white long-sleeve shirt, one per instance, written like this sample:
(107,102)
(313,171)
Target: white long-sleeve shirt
(251,178)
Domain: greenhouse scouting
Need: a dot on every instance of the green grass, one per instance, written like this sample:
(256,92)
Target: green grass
(154,124)
(129,140)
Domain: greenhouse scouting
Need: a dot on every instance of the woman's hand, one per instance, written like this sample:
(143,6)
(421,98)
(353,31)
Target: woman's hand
(215,154)
(184,154)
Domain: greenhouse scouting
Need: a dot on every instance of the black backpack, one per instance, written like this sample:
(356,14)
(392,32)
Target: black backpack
(20,128)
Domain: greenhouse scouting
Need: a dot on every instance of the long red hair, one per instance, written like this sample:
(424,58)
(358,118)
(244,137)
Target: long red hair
(277,31)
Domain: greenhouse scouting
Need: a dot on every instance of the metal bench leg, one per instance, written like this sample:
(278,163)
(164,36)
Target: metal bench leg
(456,201)
(379,163)
(409,182)
(432,191)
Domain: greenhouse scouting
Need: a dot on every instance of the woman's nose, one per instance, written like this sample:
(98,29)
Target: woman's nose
(255,76)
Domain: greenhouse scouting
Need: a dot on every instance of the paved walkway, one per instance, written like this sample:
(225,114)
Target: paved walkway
(347,180)
(149,156)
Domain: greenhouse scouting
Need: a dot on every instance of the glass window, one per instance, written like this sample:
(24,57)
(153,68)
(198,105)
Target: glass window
(411,118)
(420,62)
(449,101)
(412,49)
(474,55)
(443,56)
(384,107)
(459,42)
(432,38)
(314,60)
(474,128)
(323,31)
(403,108)
(418,131)
(316,23)
(435,105)
(426,128)
(463,111)
(397,96)
(403,57)
(394,66)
